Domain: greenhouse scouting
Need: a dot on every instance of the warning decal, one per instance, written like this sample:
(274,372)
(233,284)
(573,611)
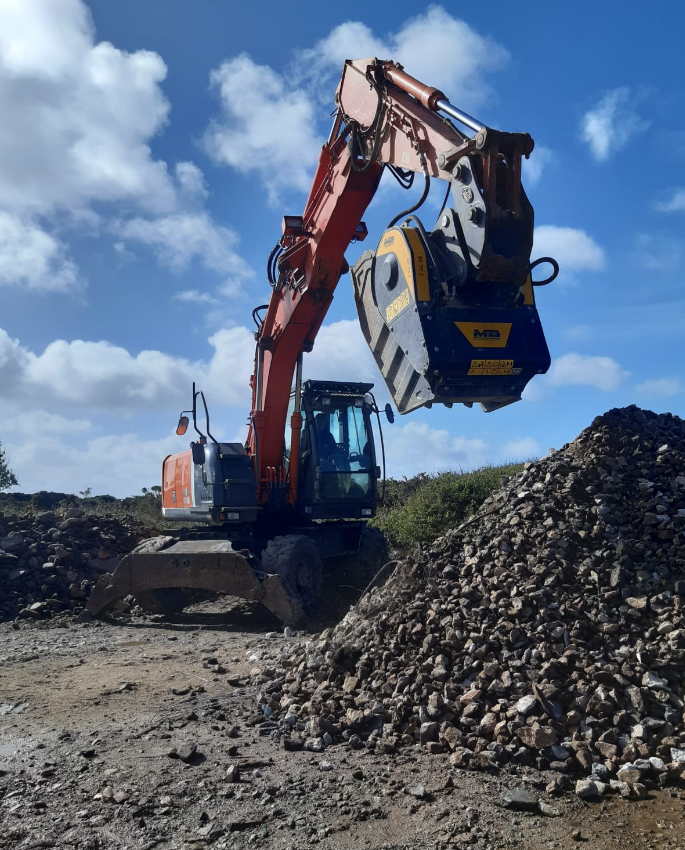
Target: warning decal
(399,304)
(493,367)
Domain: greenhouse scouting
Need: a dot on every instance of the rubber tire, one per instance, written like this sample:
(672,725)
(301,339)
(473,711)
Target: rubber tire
(296,559)
(166,601)
(371,555)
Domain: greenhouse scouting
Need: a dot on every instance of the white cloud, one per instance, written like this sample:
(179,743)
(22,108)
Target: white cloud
(194,296)
(521,448)
(272,126)
(675,204)
(78,118)
(40,393)
(341,354)
(191,180)
(266,126)
(350,40)
(610,125)
(660,387)
(102,376)
(180,238)
(115,464)
(536,164)
(14,360)
(603,373)
(416,447)
(39,423)
(32,258)
(27,43)
(43,391)
(435,47)
(571,247)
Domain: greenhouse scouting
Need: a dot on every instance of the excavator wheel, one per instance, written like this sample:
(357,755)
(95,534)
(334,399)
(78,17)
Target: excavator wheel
(371,555)
(296,560)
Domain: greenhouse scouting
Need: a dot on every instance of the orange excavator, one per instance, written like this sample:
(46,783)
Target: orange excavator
(449,314)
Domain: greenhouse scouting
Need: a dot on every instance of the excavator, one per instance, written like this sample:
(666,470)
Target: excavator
(449,315)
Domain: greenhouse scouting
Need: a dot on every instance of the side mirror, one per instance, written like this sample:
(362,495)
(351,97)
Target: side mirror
(390,414)
(198,451)
(182,426)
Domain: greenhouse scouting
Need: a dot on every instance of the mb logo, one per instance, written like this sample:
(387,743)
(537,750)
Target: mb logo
(494,335)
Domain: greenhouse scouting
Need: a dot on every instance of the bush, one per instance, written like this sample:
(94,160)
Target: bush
(421,509)
(7,477)
(145,509)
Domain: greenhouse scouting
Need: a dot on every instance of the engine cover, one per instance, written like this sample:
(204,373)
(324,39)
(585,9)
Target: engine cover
(222,489)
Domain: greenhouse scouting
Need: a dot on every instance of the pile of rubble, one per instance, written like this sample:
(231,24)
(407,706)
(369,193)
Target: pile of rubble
(547,632)
(48,561)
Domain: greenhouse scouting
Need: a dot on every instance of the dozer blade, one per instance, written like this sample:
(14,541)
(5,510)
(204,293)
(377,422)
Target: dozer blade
(210,565)
(438,335)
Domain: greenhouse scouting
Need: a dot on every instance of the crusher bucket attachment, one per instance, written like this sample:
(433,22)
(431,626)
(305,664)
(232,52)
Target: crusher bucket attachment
(212,565)
(450,315)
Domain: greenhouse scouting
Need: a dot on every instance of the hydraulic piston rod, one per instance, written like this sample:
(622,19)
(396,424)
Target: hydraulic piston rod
(460,115)
(430,97)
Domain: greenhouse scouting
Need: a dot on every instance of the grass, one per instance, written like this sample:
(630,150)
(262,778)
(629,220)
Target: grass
(422,508)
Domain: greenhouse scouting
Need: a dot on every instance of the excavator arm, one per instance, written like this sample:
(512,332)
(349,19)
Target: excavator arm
(432,307)
(310,262)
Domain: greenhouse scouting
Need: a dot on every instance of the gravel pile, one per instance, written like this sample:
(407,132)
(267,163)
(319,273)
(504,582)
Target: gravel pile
(48,561)
(547,632)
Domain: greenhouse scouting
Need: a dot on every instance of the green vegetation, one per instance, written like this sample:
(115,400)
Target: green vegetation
(7,477)
(415,510)
(144,509)
(420,509)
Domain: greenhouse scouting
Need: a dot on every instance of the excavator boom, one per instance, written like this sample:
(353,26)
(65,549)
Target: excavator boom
(449,314)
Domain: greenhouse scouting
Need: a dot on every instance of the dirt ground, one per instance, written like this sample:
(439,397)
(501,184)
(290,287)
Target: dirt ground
(89,715)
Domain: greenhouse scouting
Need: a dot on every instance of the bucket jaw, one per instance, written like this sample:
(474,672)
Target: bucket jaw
(211,565)
(450,319)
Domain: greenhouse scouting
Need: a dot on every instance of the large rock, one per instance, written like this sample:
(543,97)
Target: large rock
(537,737)
(41,563)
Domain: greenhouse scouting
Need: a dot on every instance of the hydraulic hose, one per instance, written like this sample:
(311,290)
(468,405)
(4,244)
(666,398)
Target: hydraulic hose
(426,190)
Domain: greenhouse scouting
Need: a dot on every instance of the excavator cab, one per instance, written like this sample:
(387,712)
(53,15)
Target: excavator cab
(339,473)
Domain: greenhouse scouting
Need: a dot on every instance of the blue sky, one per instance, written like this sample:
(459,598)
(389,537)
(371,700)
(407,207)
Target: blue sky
(149,150)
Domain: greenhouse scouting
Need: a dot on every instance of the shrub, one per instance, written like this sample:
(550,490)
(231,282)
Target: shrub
(7,477)
(421,509)
(145,509)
